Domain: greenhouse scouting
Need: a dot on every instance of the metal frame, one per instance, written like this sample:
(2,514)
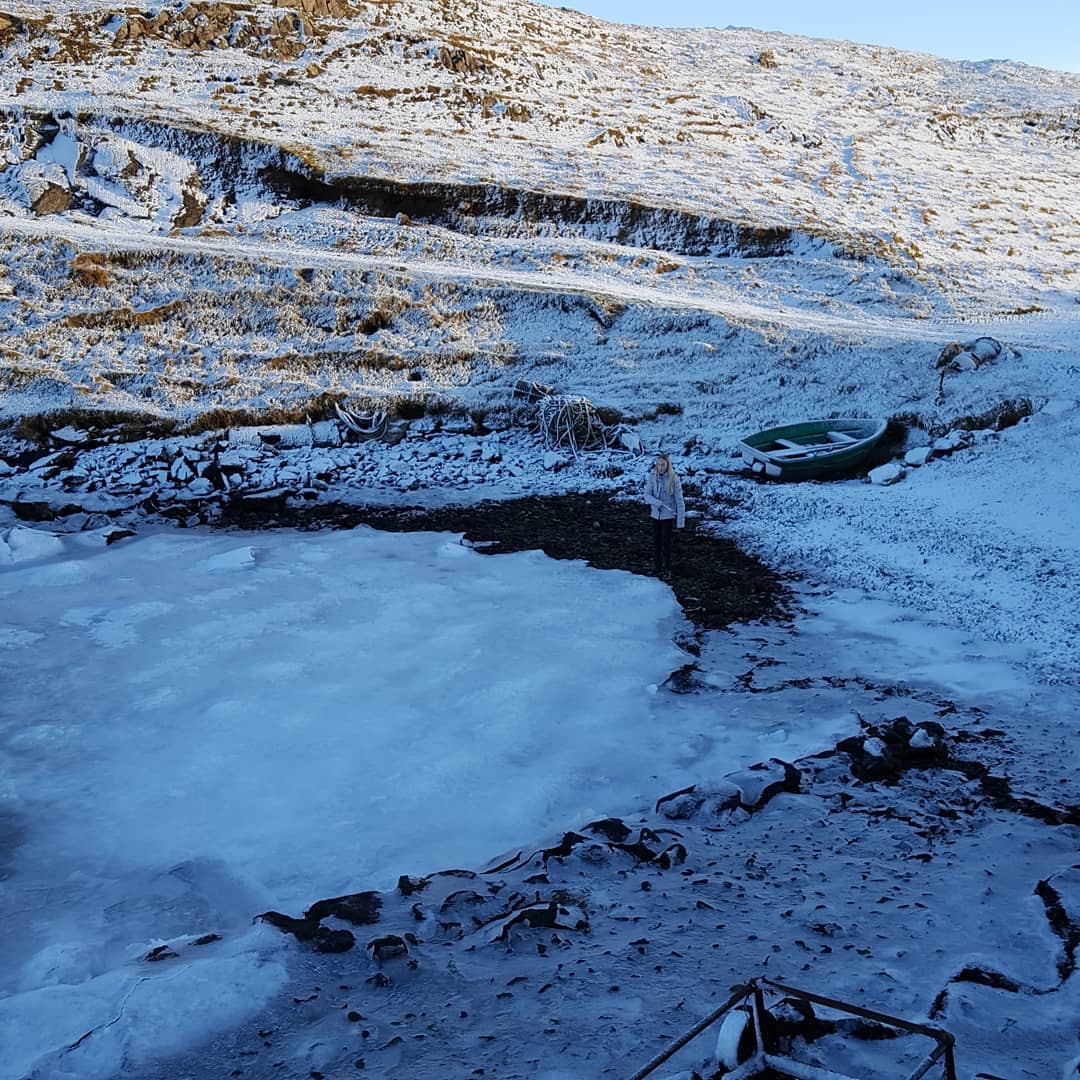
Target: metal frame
(765,1055)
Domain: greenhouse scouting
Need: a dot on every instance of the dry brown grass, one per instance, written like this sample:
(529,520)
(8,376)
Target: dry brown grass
(126,426)
(319,407)
(88,268)
(124,318)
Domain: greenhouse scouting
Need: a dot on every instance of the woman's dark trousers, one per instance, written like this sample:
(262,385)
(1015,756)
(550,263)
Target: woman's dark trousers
(662,534)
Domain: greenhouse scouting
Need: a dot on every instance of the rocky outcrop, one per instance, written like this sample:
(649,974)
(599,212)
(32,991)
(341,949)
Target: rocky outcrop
(204,26)
(47,188)
(327,9)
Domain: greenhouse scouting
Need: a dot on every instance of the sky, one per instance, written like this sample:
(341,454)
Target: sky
(1045,33)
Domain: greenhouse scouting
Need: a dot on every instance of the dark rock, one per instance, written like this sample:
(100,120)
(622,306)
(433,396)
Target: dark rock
(462,896)
(389,947)
(672,856)
(302,929)
(612,828)
(407,886)
(53,199)
(360,909)
(685,680)
(549,915)
(691,790)
(985,977)
(639,850)
(562,850)
(791,784)
(33,511)
(333,941)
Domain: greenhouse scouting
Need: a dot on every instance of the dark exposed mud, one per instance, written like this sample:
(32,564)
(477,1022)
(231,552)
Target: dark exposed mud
(715,582)
(228,164)
(475,208)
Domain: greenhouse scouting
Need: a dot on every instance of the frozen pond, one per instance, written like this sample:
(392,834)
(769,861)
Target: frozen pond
(196,727)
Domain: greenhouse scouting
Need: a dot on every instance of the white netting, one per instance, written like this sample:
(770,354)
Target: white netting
(570,423)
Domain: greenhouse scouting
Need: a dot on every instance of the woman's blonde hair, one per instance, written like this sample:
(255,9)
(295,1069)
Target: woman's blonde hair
(670,470)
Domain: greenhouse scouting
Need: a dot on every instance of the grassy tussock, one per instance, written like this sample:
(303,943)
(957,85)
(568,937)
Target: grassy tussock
(320,407)
(124,318)
(88,268)
(128,426)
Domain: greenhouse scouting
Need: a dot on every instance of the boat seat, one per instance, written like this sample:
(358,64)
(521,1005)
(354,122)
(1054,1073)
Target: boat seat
(803,451)
(789,444)
(838,437)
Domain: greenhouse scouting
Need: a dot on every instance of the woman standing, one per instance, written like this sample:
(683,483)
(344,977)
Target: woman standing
(663,493)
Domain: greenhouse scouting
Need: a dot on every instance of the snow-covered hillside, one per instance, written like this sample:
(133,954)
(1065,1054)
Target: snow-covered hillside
(224,222)
(486,163)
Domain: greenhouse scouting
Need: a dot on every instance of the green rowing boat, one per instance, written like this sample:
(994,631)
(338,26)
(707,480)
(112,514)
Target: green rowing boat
(811,449)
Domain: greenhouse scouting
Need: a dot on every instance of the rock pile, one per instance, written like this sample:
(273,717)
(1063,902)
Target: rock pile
(191,474)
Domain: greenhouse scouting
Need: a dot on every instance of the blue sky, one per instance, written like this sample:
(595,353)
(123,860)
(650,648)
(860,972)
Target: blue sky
(1041,32)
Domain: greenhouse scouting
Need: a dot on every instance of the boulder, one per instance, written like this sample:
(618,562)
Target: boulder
(20,544)
(48,190)
(890,473)
(951,442)
(389,947)
(919,456)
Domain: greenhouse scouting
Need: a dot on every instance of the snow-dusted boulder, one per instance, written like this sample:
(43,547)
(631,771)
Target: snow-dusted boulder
(48,190)
(71,435)
(20,544)
(953,441)
(922,740)
(325,433)
(919,456)
(181,471)
(874,747)
(889,473)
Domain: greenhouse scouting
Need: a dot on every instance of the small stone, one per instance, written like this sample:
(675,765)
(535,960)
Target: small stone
(875,748)
(922,740)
